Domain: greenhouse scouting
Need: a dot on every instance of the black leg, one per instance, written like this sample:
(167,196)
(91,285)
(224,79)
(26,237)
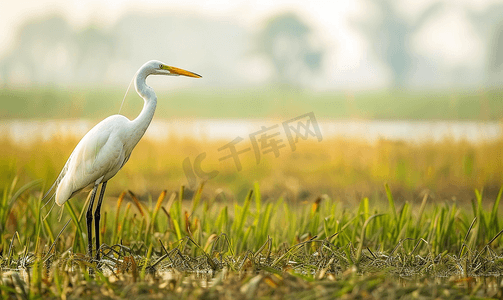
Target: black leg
(89,218)
(97,216)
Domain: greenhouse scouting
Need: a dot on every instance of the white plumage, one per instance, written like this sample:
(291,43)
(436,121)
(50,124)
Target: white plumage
(98,157)
(104,150)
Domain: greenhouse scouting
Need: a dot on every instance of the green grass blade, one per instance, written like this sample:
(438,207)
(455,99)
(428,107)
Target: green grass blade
(391,201)
(79,237)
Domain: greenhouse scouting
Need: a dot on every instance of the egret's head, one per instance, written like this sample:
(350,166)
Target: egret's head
(156,67)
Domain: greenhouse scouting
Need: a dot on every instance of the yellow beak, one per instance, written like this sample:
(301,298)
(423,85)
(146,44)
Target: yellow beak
(178,71)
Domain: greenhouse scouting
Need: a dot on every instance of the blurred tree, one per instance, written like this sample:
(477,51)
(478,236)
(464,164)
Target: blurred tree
(389,36)
(36,39)
(288,43)
(95,52)
(208,45)
(48,51)
(489,25)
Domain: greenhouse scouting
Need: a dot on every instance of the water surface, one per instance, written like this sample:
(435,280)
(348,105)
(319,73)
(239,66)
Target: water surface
(25,131)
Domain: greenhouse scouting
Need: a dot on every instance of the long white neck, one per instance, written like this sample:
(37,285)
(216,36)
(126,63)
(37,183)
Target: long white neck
(141,123)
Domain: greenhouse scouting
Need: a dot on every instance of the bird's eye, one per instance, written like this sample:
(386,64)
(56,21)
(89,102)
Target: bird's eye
(160,66)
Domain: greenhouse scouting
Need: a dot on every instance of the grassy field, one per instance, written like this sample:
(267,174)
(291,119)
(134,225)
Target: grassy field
(98,103)
(340,217)
(213,247)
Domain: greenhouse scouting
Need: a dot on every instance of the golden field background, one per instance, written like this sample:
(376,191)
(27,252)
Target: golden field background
(344,169)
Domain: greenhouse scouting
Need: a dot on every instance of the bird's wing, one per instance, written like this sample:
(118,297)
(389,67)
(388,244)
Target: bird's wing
(98,156)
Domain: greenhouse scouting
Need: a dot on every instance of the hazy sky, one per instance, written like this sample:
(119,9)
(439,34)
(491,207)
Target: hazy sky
(449,36)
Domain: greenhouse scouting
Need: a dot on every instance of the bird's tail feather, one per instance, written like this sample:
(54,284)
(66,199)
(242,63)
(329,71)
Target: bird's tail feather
(50,209)
(52,190)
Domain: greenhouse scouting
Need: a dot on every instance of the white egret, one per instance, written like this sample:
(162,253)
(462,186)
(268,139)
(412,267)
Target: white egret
(105,149)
